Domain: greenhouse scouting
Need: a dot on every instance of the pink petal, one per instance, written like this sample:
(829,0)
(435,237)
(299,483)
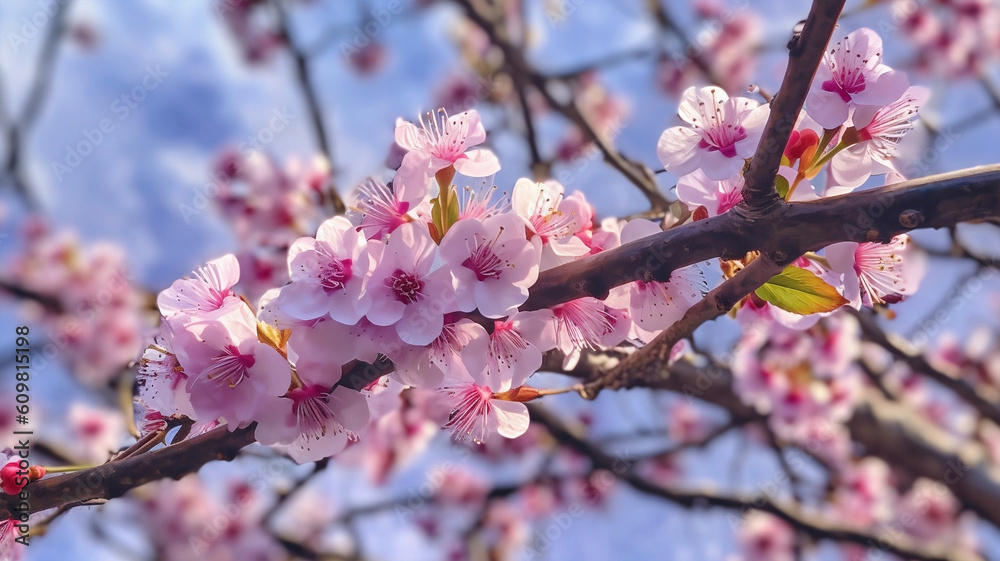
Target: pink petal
(852,166)
(511,417)
(408,136)
(841,256)
(414,176)
(478,163)
(678,150)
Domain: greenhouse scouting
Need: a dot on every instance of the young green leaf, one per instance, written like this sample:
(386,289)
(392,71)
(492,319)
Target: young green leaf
(801,292)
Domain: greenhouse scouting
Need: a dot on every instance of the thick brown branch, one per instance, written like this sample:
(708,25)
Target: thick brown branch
(116,478)
(874,215)
(805,52)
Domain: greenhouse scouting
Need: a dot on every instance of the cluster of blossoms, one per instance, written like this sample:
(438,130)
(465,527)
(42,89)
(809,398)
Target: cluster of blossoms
(432,279)
(268,207)
(857,111)
(435,279)
(953,37)
(83,298)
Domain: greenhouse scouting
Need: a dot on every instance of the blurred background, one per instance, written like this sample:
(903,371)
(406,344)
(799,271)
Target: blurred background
(140,139)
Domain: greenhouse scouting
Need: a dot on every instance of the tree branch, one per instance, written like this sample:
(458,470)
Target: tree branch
(793,514)
(521,70)
(805,52)
(650,360)
(873,215)
(872,332)
(304,77)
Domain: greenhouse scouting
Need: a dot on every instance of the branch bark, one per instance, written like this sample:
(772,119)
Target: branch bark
(805,52)
(789,230)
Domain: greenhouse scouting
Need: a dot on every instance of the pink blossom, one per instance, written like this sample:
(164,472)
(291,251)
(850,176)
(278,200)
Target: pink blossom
(852,75)
(492,262)
(724,131)
(95,433)
(717,197)
(764,536)
(427,366)
(587,323)
(441,142)
(879,130)
(475,411)
(380,209)
(864,494)
(555,219)
(311,421)
(406,293)
(876,273)
(478,204)
(329,274)
(229,371)
(928,510)
(208,291)
(514,348)
(161,381)
(656,305)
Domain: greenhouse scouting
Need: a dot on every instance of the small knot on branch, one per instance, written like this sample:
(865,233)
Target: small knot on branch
(911,218)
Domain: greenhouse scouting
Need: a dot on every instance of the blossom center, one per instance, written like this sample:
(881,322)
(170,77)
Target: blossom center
(231,367)
(406,287)
(483,261)
(311,407)
(333,273)
(472,405)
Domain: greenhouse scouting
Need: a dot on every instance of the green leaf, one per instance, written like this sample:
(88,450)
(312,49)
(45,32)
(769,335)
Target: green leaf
(801,292)
(781,185)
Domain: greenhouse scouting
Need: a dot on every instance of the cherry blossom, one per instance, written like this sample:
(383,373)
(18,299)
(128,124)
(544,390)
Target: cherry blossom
(764,536)
(438,143)
(696,190)
(587,323)
(476,410)
(209,289)
(427,366)
(311,421)
(515,346)
(405,291)
(492,262)
(654,305)
(876,273)
(329,274)
(723,132)
(852,75)
(879,130)
(379,209)
(551,216)
(228,370)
